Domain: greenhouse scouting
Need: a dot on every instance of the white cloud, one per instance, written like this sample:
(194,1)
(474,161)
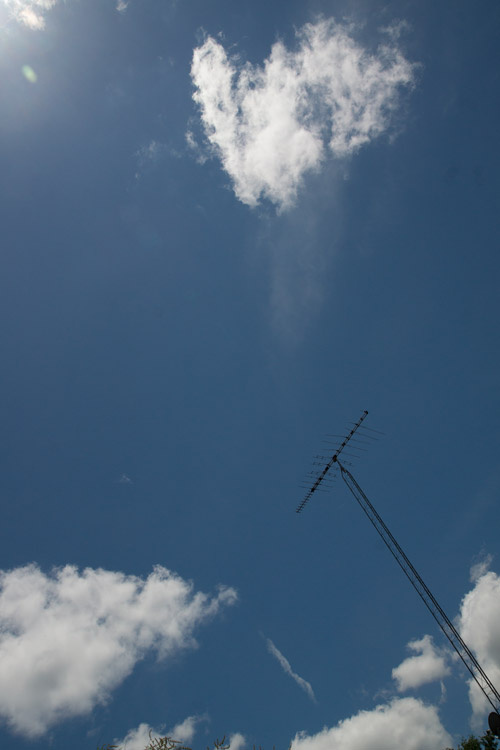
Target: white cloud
(403,723)
(429,665)
(69,638)
(478,623)
(237,741)
(479,626)
(271,124)
(288,669)
(31,13)
(185,730)
(408,722)
(139,738)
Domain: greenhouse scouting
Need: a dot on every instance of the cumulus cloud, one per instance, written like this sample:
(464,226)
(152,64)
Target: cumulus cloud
(479,626)
(429,665)
(271,124)
(237,741)
(288,669)
(403,722)
(69,638)
(139,738)
(409,722)
(185,730)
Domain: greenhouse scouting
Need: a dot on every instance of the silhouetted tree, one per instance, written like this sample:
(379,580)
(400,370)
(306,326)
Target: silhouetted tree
(487,742)
(167,743)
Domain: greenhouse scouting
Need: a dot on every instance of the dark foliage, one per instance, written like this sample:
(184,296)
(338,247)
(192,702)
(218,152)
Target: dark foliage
(487,742)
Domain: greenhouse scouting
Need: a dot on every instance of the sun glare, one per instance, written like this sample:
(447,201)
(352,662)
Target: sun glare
(29,73)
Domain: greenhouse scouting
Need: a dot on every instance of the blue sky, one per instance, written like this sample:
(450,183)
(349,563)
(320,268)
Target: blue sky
(228,229)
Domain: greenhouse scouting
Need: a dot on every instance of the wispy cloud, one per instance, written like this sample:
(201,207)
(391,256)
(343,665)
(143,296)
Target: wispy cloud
(480,567)
(30,13)
(430,664)
(69,638)
(285,664)
(152,153)
(271,124)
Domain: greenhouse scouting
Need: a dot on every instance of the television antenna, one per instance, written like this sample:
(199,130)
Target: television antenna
(455,639)
(321,476)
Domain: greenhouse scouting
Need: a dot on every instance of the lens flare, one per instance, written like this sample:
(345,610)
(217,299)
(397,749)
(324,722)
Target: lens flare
(29,73)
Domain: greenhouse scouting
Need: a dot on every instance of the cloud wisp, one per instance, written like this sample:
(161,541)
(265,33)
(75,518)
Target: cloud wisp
(429,665)
(272,124)
(285,664)
(69,638)
(30,13)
